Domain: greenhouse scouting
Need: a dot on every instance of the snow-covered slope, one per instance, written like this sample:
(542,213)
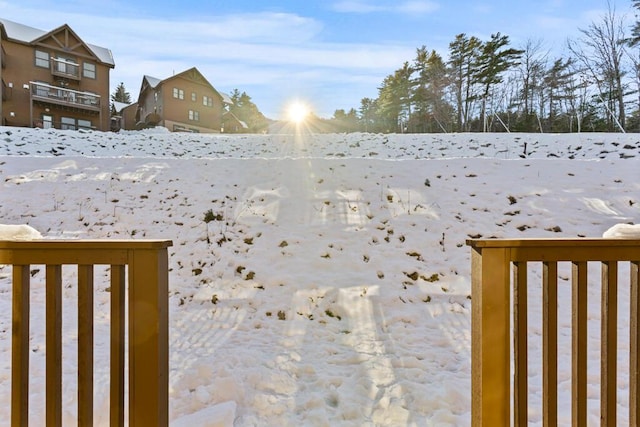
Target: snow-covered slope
(315,279)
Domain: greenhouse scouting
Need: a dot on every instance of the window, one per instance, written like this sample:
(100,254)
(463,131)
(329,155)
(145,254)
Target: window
(42,59)
(207,101)
(89,70)
(67,123)
(194,116)
(84,124)
(178,93)
(67,65)
(194,97)
(47,121)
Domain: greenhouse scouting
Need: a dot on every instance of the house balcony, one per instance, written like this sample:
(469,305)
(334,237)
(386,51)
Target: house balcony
(65,69)
(45,93)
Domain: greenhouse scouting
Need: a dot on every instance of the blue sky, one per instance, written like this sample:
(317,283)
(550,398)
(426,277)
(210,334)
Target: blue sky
(330,54)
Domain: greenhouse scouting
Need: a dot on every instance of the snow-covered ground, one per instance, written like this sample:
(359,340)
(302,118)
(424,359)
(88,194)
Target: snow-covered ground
(317,280)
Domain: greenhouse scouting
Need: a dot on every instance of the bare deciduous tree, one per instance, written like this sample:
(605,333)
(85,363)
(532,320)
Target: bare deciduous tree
(600,50)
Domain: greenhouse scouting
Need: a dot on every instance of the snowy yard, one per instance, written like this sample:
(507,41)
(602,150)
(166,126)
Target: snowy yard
(315,279)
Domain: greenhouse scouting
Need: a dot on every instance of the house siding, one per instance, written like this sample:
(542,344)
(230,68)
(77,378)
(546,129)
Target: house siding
(174,113)
(79,98)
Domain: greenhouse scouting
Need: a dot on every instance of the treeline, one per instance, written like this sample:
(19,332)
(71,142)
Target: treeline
(244,109)
(488,85)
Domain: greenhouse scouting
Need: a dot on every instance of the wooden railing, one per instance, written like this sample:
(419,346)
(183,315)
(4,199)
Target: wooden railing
(62,96)
(148,363)
(500,313)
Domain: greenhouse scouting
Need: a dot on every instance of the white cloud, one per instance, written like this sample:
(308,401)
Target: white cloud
(356,6)
(411,7)
(418,7)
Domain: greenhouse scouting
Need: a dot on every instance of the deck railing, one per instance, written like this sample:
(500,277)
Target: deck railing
(146,264)
(68,97)
(499,314)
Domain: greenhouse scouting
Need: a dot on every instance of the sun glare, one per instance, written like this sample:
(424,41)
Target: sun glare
(297,112)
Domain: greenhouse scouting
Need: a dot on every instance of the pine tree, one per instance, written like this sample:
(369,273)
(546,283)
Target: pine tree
(245,110)
(119,95)
(367,112)
(491,64)
(463,54)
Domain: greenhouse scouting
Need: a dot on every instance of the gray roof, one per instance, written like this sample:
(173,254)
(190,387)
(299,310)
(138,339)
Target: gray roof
(26,34)
(153,82)
(119,106)
(226,98)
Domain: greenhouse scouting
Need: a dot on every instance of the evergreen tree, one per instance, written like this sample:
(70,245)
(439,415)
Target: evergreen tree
(119,95)
(493,61)
(420,83)
(343,121)
(437,83)
(389,103)
(557,81)
(463,54)
(367,112)
(245,110)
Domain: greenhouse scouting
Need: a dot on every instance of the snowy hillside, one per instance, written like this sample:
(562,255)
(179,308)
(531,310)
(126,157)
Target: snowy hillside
(315,280)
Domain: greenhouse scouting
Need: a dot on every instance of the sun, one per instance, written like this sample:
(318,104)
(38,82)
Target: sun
(297,112)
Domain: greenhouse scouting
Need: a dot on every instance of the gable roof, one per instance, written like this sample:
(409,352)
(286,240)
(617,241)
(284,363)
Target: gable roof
(25,34)
(234,117)
(192,74)
(226,98)
(119,106)
(151,81)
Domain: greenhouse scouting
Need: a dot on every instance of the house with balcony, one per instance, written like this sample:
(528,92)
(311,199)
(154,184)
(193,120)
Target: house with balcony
(184,102)
(52,79)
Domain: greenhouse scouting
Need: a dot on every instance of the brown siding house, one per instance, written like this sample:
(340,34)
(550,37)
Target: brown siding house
(185,102)
(232,124)
(52,79)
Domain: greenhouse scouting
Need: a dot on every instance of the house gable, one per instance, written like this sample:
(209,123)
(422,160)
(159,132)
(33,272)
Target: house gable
(193,75)
(183,102)
(64,39)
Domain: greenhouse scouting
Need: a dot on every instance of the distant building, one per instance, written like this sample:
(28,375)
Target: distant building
(52,79)
(232,124)
(185,102)
(122,114)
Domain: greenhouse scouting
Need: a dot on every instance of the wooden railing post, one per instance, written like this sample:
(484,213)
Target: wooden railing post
(54,345)
(117,359)
(20,347)
(490,344)
(148,338)
(85,345)
(634,345)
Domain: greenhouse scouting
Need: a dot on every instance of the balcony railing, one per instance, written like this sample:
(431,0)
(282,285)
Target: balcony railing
(65,68)
(500,313)
(145,263)
(62,96)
